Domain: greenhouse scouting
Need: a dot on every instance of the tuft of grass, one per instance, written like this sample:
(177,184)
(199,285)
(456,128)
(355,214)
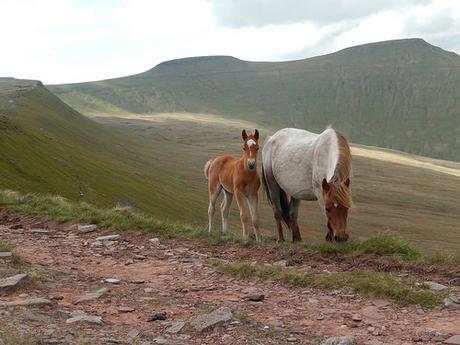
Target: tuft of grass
(378,245)
(381,285)
(387,245)
(4,247)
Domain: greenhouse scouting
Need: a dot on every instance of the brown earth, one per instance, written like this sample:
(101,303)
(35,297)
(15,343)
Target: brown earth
(176,277)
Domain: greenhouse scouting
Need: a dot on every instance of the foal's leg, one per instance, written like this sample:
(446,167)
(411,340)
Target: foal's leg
(253,207)
(293,214)
(244,216)
(214,191)
(225,209)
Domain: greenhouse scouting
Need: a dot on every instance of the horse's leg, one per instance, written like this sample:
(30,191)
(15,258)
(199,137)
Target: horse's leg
(254,208)
(274,192)
(241,201)
(214,191)
(225,209)
(293,214)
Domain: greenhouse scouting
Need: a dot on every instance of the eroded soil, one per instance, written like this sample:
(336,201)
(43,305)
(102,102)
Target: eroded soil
(178,278)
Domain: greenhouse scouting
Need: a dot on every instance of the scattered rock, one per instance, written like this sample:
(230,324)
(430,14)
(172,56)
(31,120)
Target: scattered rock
(133,333)
(291,340)
(87,228)
(255,297)
(138,281)
(139,257)
(112,280)
(39,231)
(176,327)
(454,340)
(339,341)
(148,290)
(92,296)
(372,312)
(205,321)
(29,302)
(157,316)
(373,342)
(356,317)
(380,303)
(83,317)
(155,241)
(34,316)
(162,341)
(56,298)
(452,302)
(125,309)
(5,255)
(281,263)
(435,286)
(108,238)
(13,282)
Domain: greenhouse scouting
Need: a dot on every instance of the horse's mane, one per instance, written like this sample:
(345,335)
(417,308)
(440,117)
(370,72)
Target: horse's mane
(338,192)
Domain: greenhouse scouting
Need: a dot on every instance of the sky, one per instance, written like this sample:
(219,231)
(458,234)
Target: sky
(64,41)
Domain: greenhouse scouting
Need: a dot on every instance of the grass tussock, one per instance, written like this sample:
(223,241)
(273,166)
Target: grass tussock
(378,245)
(4,247)
(379,285)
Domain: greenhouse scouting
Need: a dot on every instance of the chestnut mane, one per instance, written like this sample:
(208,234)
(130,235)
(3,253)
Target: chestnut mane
(338,192)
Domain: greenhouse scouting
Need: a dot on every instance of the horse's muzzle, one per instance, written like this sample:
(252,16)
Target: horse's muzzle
(341,238)
(251,165)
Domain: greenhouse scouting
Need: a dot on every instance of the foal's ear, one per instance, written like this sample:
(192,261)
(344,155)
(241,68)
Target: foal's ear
(347,182)
(325,185)
(256,134)
(244,135)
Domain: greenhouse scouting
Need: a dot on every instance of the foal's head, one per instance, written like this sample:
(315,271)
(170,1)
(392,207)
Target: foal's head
(337,201)
(250,148)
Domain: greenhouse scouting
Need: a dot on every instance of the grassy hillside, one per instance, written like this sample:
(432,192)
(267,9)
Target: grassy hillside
(46,146)
(400,194)
(402,94)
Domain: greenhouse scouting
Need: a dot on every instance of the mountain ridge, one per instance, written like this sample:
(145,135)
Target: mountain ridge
(400,94)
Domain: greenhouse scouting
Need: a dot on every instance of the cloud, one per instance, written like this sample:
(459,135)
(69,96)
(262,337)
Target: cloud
(259,13)
(60,41)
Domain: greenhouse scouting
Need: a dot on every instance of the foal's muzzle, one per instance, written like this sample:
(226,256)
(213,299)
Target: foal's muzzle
(251,164)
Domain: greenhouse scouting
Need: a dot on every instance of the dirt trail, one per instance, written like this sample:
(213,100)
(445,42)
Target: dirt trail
(176,277)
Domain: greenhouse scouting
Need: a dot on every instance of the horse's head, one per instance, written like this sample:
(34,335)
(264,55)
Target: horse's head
(337,201)
(250,148)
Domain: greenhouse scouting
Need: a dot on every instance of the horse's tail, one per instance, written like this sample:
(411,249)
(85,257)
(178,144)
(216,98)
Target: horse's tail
(264,181)
(283,199)
(206,168)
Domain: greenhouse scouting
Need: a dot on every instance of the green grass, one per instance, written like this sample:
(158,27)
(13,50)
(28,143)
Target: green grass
(4,247)
(368,284)
(379,245)
(395,94)
(60,209)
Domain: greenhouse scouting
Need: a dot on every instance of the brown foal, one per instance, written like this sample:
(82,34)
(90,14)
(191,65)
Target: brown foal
(236,177)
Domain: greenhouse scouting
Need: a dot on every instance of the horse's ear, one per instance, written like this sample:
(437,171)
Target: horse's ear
(244,135)
(325,186)
(256,134)
(347,182)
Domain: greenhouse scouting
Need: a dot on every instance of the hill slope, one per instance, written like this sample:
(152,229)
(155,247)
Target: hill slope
(402,94)
(46,146)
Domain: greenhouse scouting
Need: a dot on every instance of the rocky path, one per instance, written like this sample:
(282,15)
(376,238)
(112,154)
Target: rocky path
(97,286)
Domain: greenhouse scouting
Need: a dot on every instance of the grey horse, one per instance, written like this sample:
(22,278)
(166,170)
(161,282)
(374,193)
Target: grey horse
(301,165)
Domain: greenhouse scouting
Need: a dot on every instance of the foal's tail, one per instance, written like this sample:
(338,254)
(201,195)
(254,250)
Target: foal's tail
(283,199)
(206,168)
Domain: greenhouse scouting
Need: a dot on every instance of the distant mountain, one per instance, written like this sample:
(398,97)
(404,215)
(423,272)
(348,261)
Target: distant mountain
(46,146)
(402,94)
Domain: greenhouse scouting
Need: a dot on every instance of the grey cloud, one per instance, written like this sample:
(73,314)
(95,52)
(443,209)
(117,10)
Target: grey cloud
(258,13)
